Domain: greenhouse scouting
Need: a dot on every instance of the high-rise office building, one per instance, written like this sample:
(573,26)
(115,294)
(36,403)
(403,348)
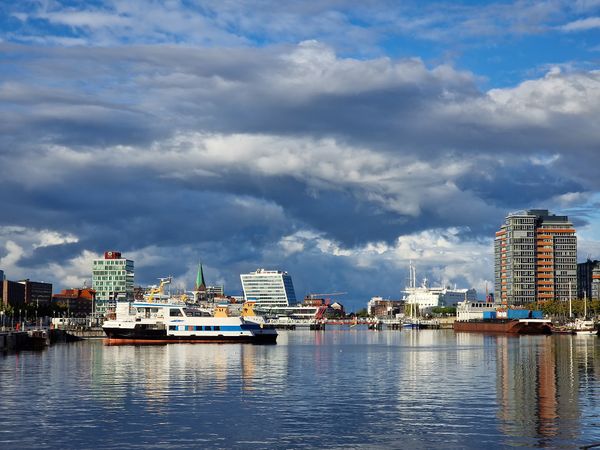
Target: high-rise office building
(535,258)
(37,292)
(112,279)
(268,288)
(12,293)
(588,279)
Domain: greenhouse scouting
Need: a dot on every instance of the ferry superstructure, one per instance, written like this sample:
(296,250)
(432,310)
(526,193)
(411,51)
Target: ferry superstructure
(158,323)
(427,297)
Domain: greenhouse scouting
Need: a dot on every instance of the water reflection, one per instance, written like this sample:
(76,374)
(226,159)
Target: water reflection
(538,387)
(337,388)
(162,372)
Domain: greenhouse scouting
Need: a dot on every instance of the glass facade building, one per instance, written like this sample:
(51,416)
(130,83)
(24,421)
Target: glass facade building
(268,288)
(112,279)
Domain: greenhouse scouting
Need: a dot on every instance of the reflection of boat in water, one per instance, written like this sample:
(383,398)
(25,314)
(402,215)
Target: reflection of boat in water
(489,318)
(153,323)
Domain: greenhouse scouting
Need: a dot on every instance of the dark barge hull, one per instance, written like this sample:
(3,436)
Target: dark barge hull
(503,326)
(117,336)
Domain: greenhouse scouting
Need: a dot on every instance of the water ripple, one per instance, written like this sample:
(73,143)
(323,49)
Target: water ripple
(333,389)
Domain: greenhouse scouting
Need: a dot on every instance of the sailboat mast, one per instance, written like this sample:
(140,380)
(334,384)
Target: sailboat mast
(570,309)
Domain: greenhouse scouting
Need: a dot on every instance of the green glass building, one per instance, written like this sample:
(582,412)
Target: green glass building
(112,279)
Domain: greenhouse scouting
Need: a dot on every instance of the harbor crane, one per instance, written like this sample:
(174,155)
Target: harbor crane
(331,294)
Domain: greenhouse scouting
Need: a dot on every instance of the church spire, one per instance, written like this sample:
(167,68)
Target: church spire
(200,284)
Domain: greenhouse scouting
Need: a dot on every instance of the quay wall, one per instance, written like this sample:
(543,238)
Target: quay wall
(446,322)
(89,333)
(80,332)
(13,340)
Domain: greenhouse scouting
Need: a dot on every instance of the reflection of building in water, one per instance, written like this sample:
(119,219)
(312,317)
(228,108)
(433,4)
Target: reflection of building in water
(537,388)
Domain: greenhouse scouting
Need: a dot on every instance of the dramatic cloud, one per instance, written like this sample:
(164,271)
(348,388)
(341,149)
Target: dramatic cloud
(233,135)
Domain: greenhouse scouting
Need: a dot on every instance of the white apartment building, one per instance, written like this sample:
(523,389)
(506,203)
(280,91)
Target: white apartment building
(268,288)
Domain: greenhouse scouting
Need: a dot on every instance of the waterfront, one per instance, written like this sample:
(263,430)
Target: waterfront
(340,389)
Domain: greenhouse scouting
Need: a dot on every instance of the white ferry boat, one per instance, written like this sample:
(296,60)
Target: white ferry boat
(158,323)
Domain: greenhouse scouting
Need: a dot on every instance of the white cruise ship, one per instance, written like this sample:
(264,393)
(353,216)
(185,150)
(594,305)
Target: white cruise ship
(426,297)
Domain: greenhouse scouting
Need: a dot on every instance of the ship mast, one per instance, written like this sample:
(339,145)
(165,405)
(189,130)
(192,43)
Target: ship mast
(570,309)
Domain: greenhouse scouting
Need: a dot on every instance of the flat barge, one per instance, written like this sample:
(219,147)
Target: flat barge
(511,326)
(485,317)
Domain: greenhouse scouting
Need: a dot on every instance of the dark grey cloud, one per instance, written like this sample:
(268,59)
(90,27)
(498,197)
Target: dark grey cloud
(175,154)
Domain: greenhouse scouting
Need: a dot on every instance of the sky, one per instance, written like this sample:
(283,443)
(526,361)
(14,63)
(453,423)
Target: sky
(336,140)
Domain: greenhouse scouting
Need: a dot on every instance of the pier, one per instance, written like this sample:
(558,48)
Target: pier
(14,340)
(23,340)
(372,323)
(81,331)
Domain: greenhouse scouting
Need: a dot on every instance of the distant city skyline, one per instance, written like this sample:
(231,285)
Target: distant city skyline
(333,140)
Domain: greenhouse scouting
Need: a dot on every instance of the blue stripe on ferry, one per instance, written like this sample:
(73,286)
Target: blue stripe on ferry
(212,328)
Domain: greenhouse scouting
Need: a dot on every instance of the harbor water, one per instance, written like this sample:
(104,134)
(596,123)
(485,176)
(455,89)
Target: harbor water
(349,388)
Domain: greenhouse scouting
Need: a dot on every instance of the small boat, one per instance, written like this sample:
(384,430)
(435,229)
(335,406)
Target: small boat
(37,339)
(411,323)
(585,327)
(558,329)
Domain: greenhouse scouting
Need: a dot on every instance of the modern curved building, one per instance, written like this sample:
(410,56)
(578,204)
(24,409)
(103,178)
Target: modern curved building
(268,288)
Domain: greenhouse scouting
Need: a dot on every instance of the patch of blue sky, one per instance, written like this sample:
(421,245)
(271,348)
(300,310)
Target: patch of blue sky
(399,47)
(517,60)
(35,30)
(591,211)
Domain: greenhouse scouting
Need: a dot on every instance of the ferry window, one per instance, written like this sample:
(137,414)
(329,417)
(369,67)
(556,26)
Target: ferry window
(175,313)
(172,327)
(195,313)
(199,328)
(208,328)
(217,328)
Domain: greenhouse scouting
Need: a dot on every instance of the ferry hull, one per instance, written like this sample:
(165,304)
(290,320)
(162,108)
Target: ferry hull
(503,326)
(116,336)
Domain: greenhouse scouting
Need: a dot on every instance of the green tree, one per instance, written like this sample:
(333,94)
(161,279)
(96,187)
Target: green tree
(362,313)
(444,310)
